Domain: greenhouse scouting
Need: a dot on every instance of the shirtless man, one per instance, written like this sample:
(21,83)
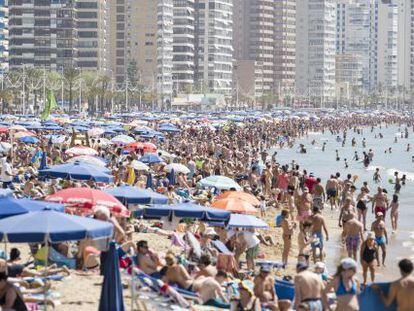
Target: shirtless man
(381,236)
(318,194)
(380,202)
(353,235)
(146,260)
(346,210)
(401,290)
(174,273)
(318,223)
(304,207)
(206,268)
(309,289)
(264,289)
(332,189)
(287,228)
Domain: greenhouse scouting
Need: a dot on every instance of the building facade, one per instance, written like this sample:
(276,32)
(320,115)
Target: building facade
(4,37)
(183,46)
(118,40)
(348,75)
(42,34)
(93,49)
(214,45)
(315,50)
(405,32)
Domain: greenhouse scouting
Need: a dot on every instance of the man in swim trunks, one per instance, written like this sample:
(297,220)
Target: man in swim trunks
(380,202)
(353,234)
(332,187)
(381,236)
(318,223)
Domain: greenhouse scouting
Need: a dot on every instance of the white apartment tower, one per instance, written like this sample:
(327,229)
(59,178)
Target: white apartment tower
(384,45)
(353,26)
(214,50)
(183,46)
(315,50)
(164,50)
(4,37)
(405,33)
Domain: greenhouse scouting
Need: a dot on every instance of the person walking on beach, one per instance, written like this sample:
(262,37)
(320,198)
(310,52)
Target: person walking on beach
(287,227)
(368,256)
(309,289)
(362,200)
(380,202)
(318,224)
(346,286)
(381,236)
(401,291)
(353,235)
(332,188)
(394,212)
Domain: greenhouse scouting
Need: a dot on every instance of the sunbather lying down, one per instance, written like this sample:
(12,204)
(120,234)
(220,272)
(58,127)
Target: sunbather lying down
(19,270)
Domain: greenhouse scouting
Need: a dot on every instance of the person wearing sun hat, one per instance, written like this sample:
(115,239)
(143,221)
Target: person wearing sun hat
(346,285)
(247,300)
(369,254)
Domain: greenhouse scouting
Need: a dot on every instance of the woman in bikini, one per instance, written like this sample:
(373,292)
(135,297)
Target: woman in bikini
(394,212)
(369,254)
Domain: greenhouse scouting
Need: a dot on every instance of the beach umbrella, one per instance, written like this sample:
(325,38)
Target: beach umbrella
(150,182)
(18,128)
(3,130)
(166,155)
(239,195)
(177,167)
(219,182)
(151,158)
(10,206)
(246,221)
(171,177)
(81,150)
(133,195)
(235,206)
(149,147)
(184,210)
(52,227)
(111,293)
(95,132)
(78,171)
(29,140)
(43,161)
(88,160)
(104,142)
(23,134)
(122,139)
(5,147)
(56,139)
(88,198)
(139,166)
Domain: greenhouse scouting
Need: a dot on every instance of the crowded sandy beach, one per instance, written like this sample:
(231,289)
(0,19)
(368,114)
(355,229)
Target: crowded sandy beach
(183,211)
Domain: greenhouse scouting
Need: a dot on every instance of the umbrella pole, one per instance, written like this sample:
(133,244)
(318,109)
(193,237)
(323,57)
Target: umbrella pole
(5,255)
(46,265)
(132,288)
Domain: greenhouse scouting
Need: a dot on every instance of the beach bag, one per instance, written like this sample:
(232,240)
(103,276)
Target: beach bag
(278,221)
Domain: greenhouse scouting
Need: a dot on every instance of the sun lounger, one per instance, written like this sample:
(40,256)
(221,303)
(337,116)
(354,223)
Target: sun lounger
(54,257)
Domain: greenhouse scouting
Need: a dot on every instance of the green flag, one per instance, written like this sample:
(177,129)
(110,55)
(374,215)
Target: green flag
(50,104)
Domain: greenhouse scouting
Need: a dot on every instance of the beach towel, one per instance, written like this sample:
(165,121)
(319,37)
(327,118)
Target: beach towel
(370,299)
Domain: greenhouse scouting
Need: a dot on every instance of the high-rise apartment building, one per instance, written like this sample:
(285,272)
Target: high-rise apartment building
(383,45)
(117,40)
(213,45)
(315,49)
(405,31)
(42,34)
(353,26)
(183,46)
(4,37)
(92,45)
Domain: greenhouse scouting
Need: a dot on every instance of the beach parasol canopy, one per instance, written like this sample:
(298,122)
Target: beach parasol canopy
(10,206)
(81,150)
(151,158)
(53,227)
(239,195)
(184,210)
(139,166)
(88,198)
(29,140)
(219,182)
(122,139)
(246,221)
(177,168)
(5,147)
(112,298)
(133,195)
(234,206)
(88,160)
(23,134)
(78,171)
(95,132)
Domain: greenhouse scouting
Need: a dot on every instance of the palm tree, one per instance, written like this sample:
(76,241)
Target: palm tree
(71,77)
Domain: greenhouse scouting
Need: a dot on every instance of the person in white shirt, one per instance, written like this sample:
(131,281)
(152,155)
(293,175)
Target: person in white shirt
(6,175)
(252,245)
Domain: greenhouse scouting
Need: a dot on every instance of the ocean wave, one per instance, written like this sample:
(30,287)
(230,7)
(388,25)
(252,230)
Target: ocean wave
(409,175)
(374,167)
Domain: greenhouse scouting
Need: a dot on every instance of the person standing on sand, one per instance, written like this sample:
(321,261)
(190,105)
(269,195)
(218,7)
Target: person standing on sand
(318,223)
(318,194)
(368,255)
(401,291)
(381,236)
(353,235)
(304,207)
(309,289)
(287,228)
(394,212)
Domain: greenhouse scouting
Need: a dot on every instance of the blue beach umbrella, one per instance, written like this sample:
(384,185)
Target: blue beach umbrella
(10,206)
(111,294)
(78,171)
(151,158)
(133,195)
(29,140)
(52,227)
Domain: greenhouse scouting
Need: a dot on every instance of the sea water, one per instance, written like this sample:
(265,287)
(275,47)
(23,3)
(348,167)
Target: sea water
(323,164)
